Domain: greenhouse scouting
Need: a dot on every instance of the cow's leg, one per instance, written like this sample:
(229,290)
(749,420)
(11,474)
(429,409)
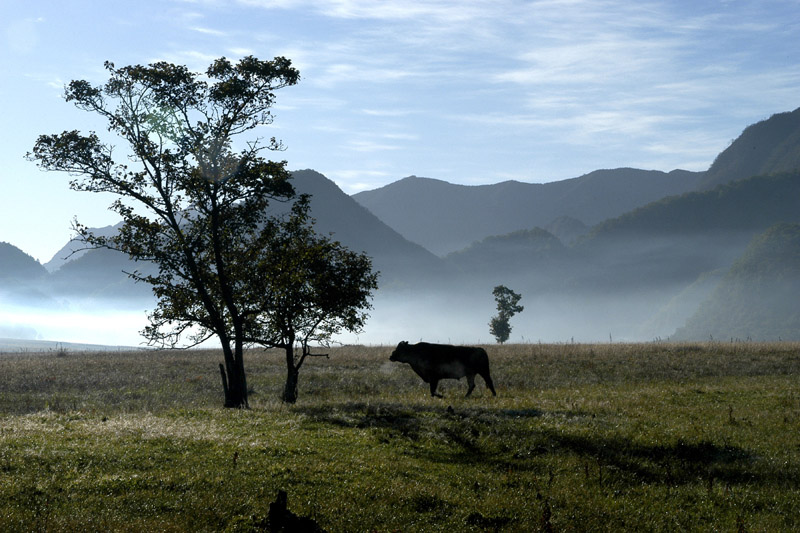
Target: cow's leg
(488,379)
(434,383)
(471,382)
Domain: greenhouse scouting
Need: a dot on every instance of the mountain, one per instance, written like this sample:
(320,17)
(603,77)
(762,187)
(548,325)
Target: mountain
(567,229)
(521,255)
(678,238)
(758,297)
(101,273)
(624,254)
(17,266)
(680,307)
(444,217)
(637,276)
(21,276)
(22,345)
(398,259)
(75,248)
(767,147)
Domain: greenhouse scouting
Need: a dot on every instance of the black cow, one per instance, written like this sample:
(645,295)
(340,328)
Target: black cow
(433,362)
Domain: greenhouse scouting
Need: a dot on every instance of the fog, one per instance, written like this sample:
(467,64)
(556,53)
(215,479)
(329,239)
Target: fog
(86,322)
(463,318)
(617,296)
(638,290)
(451,317)
(637,278)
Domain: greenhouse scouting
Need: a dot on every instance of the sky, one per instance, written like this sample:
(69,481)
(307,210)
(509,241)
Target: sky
(469,92)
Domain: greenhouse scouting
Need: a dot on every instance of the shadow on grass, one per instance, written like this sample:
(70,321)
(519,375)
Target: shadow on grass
(675,464)
(408,420)
(502,440)
(404,420)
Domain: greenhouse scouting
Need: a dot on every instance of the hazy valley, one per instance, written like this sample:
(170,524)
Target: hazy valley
(619,254)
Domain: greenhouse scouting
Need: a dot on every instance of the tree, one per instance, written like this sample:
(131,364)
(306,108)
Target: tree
(507,306)
(200,211)
(310,288)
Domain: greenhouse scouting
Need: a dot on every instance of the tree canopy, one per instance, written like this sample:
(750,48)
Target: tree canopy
(197,205)
(507,306)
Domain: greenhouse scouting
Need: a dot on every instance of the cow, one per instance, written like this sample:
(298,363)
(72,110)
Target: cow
(433,362)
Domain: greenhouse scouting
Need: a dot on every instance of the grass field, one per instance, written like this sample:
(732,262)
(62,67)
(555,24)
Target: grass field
(644,437)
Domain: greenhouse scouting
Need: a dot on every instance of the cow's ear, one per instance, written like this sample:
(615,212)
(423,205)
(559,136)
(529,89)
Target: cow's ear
(403,343)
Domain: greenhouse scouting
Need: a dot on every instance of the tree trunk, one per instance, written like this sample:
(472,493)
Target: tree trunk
(225,388)
(292,374)
(236,393)
(234,384)
(290,389)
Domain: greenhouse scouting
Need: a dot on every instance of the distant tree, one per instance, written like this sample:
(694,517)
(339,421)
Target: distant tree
(507,306)
(227,265)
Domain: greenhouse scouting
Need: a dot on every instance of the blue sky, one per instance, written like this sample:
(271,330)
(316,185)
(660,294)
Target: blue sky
(468,92)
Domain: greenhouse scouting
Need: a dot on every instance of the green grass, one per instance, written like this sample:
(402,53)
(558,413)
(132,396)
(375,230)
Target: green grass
(646,437)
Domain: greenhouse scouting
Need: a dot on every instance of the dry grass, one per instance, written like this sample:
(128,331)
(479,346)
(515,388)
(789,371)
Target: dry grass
(653,437)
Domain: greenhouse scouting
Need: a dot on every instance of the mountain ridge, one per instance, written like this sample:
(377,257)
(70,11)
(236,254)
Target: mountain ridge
(637,273)
(766,147)
(445,217)
(101,273)
(16,265)
(337,214)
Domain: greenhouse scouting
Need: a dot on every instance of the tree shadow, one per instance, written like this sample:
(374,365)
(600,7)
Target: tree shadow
(491,438)
(403,419)
(677,463)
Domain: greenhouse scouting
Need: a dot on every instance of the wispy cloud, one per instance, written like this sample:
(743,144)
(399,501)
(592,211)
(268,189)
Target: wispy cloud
(387,112)
(463,91)
(588,72)
(351,72)
(241,52)
(393,10)
(366,145)
(356,180)
(194,59)
(209,31)
(22,35)
(400,136)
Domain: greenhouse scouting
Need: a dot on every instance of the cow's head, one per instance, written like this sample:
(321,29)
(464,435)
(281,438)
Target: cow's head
(399,353)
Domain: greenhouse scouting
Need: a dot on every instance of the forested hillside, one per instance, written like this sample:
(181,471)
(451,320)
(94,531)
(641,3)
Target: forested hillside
(758,297)
(679,238)
(21,276)
(518,256)
(767,147)
(16,265)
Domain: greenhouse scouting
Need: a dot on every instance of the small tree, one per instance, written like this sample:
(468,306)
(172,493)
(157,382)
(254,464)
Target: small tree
(199,211)
(315,288)
(507,306)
